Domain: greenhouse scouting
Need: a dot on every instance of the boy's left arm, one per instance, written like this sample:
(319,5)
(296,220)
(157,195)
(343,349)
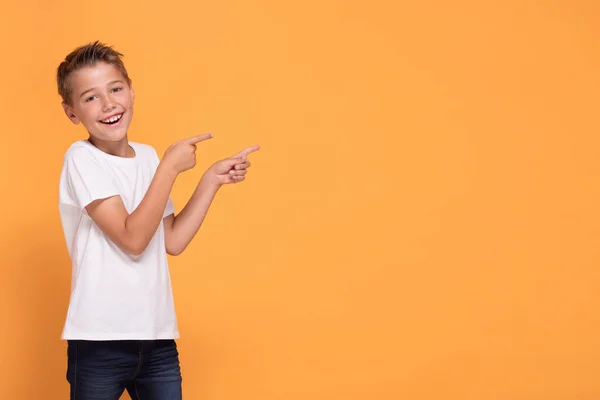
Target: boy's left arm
(181,229)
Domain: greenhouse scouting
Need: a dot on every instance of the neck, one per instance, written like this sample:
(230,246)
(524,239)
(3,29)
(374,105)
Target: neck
(120,148)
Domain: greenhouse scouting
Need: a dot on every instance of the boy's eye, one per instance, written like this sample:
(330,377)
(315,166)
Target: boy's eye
(90,98)
(116,89)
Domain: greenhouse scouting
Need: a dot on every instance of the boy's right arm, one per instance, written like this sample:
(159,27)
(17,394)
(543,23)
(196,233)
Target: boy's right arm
(132,232)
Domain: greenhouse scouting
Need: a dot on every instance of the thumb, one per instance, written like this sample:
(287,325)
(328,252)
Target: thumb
(224,166)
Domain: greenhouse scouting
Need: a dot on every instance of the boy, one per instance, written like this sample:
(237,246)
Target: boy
(119,224)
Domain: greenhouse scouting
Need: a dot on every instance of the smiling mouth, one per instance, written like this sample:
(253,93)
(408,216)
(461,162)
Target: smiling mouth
(112,120)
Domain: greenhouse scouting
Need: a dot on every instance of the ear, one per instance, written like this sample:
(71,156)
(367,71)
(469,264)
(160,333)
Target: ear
(70,113)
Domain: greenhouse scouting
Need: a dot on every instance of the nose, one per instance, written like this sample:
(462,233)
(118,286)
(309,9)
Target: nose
(107,103)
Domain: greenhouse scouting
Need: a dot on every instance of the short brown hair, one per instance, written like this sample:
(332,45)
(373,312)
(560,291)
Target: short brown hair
(86,56)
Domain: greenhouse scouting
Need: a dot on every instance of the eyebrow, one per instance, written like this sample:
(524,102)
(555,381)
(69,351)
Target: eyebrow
(109,83)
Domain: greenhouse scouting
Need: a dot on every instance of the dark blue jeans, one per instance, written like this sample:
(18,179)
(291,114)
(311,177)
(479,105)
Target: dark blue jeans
(103,370)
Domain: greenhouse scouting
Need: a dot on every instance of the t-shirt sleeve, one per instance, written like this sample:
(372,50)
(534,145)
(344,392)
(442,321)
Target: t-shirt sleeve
(84,180)
(170,208)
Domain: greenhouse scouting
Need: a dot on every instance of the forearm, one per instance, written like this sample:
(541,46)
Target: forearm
(187,223)
(143,222)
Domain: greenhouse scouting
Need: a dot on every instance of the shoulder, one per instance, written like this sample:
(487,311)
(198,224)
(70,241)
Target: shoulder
(143,150)
(80,150)
(142,147)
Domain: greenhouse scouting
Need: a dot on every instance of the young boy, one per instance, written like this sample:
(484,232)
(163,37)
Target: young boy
(119,224)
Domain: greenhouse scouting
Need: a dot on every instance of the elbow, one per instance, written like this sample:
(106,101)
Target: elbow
(174,247)
(174,250)
(135,247)
(135,252)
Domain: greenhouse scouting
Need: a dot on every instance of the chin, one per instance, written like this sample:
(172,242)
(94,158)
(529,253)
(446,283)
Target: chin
(108,136)
(117,136)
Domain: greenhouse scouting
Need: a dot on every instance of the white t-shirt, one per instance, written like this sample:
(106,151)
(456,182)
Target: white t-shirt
(114,295)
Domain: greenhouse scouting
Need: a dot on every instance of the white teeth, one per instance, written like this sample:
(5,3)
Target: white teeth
(113,119)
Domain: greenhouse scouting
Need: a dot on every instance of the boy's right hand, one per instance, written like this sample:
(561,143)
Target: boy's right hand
(181,155)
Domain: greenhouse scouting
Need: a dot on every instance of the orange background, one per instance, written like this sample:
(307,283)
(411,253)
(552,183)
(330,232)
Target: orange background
(421,222)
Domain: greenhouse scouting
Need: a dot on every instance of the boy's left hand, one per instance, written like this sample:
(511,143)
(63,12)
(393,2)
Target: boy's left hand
(230,170)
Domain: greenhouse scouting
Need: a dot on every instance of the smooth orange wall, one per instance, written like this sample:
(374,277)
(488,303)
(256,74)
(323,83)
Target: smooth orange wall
(421,222)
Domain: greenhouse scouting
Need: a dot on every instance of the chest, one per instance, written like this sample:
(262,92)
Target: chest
(132,181)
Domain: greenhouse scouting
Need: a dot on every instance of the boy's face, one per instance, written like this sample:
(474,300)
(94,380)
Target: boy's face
(102,101)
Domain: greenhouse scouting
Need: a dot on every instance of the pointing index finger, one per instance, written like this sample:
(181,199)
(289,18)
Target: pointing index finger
(199,138)
(247,151)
